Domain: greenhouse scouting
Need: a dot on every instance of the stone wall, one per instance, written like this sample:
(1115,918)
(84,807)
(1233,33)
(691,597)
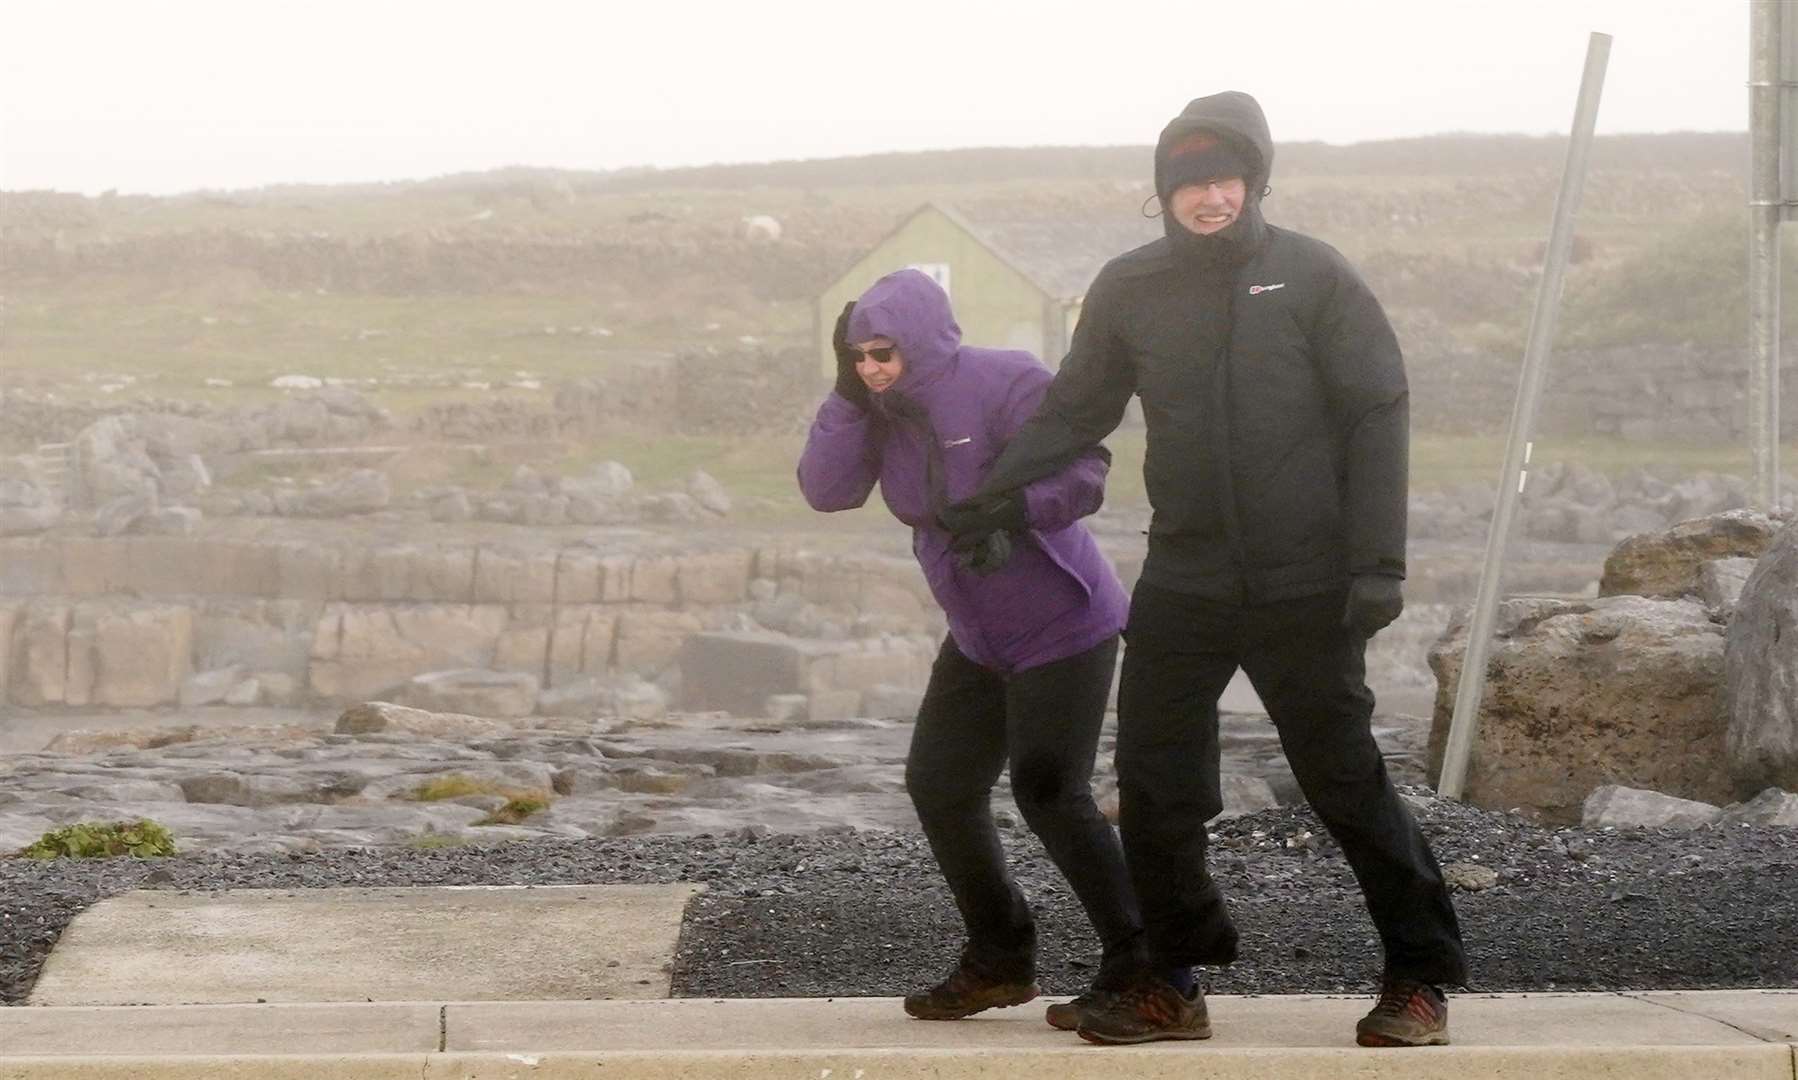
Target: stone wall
(145,621)
(1642,393)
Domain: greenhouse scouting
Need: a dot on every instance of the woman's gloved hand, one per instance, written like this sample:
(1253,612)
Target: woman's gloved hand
(849,384)
(985,554)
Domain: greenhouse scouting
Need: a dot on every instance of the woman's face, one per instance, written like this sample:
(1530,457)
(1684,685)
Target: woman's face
(880,364)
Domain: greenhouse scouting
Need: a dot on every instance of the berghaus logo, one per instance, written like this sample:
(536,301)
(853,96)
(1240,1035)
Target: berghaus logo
(1257,290)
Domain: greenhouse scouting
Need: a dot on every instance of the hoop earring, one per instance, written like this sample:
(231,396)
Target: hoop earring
(1144,209)
(1266,191)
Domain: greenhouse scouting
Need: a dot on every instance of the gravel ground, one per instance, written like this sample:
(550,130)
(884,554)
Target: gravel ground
(843,913)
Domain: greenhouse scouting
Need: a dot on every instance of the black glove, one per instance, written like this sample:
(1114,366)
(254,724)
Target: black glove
(975,518)
(849,384)
(1374,600)
(985,554)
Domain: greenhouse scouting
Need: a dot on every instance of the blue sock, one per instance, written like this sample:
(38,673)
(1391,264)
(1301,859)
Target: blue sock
(1181,979)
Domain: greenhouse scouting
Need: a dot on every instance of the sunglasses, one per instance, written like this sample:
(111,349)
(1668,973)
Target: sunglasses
(880,354)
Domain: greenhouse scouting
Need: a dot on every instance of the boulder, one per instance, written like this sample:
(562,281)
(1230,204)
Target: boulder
(585,696)
(1761,662)
(452,507)
(635,699)
(1770,807)
(475,691)
(601,485)
(708,492)
(1579,694)
(1720,583)
(209,687)
(382,717)
(362,491)
(1614,805)
(738,673)
(1667,563)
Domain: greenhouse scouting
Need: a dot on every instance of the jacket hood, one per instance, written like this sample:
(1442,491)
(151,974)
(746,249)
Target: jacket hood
(909,309)
(1237,118)
(1233,115)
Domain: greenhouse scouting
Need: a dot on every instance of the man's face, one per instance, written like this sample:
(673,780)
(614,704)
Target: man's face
(880,364)
(1211,206)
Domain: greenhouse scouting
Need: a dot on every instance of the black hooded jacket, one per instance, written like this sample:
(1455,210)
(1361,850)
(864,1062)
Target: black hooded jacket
(1272,388)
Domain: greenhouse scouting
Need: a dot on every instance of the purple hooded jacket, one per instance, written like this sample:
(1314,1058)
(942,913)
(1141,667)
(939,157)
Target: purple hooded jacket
(1057,596)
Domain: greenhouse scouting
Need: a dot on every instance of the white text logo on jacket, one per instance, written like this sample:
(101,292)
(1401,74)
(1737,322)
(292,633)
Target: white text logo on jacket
(1257,290)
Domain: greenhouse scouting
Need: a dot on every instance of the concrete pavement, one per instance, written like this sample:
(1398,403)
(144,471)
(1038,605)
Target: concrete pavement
(479,943)
(1732,1035)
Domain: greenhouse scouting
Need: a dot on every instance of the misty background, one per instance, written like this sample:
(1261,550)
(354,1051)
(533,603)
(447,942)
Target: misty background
(408,273)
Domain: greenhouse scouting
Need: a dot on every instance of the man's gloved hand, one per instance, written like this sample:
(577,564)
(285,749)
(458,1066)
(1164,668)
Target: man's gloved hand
(849,384)
(1374,600)
(974,518)
(984,554)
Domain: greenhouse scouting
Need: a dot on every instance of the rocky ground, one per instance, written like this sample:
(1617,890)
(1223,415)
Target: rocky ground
(845,912)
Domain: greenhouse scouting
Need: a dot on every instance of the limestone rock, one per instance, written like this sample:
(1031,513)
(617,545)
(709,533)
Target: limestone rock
(586,696)
(362,491)
(708,492)
(372,717)
(1578,694)
(1616,806)
(785,708)
(1667,563)
(832,706)
(1761,661)
(885,702)
(1770,807)
(141,655)
(1720,583)
(361,651)
(209,687)
(38,673)
(738,673)
(474,691)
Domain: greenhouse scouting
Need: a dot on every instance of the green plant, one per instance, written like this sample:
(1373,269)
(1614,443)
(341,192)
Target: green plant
(517,808)
(455,786)
(94,839)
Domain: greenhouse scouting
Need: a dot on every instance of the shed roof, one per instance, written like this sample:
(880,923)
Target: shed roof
(1059,250)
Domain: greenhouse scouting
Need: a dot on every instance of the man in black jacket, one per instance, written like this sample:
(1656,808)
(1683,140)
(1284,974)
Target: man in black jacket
(1276,409)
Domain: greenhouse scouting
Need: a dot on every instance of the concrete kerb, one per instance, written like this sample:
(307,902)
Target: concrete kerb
(1162,1061)
(1732,1034)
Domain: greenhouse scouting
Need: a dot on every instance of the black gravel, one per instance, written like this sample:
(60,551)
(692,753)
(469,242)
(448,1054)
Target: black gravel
(842,913)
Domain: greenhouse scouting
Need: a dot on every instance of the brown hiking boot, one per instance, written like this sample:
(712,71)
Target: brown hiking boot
(1409,1013)
(966,992)
(1148,1010)
(1065,1015)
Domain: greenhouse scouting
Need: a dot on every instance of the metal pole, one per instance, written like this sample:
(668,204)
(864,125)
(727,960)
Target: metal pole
(1523,418)
(1765,210)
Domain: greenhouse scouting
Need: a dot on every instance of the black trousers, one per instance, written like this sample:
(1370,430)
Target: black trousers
(1311,674)
(1044,723)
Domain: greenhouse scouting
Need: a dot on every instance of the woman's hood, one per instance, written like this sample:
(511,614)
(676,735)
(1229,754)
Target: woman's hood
(909,309)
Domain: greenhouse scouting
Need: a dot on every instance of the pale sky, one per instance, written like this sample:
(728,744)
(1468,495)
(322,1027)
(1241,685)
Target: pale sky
(188,94)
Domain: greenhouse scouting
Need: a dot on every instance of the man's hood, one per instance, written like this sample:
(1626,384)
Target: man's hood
(911,311)
(1232,115)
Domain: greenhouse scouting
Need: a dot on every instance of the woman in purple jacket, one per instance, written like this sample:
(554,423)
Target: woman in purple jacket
(1034,613)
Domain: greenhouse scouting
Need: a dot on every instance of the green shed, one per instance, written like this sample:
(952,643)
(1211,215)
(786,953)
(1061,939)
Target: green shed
(1016,278)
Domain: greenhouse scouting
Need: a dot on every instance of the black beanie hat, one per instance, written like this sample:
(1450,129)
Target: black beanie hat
(1200,157)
